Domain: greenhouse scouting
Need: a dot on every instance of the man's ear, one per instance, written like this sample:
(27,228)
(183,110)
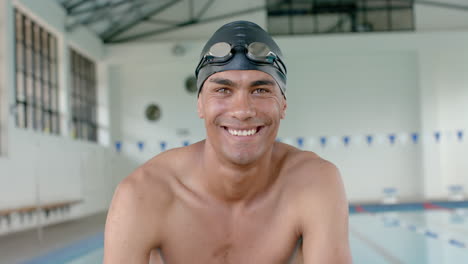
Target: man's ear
(283,110)
(199,107)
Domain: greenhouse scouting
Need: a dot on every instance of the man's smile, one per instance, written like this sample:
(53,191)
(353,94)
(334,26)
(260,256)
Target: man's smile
(243,131)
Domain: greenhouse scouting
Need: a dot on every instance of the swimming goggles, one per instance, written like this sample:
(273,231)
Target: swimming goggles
(257,52)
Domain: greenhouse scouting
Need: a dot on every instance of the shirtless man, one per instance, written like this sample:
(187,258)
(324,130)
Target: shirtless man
(238,196)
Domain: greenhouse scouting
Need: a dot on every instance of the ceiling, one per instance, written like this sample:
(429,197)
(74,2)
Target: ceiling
(116,21)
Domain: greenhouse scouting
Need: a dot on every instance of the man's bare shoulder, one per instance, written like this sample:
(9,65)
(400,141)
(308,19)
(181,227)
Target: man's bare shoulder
(308,173)
(156,177)
(303,163)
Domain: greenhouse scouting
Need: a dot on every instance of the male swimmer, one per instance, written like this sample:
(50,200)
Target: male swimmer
(238,196)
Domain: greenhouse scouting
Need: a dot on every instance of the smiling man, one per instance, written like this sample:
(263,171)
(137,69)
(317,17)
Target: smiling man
(238,196)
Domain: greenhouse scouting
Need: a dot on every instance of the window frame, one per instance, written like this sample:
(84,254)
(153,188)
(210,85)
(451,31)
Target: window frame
(36,75)
(83,96)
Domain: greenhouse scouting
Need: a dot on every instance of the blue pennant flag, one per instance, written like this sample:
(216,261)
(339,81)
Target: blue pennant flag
(346,140)
(141,145)
(186,143)
(437,136)
(323,141)
(118,146)
(415,137)
(300,142)
(460,135)
(369,139)
(392,138)
(163,145)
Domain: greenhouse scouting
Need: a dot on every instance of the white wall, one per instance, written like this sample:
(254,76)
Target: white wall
(49,168)
(3,75)
(337,85)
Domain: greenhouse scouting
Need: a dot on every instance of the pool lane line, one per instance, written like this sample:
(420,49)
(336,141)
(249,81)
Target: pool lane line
(432,206)
(426,232)
(70,252)
(383,252)
(416,206)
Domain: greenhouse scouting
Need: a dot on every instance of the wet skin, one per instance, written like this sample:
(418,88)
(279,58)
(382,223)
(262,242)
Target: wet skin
(236,197)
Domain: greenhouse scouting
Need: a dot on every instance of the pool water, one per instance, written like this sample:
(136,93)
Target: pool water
(399,234)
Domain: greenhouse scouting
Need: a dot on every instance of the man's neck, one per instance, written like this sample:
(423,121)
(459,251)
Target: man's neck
(233,183)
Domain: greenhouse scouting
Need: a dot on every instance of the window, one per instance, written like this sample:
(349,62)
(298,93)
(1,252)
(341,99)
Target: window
(287,17)
(83,97)
(36,82)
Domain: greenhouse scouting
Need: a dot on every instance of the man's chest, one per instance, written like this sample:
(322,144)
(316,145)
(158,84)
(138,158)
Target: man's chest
(200,235)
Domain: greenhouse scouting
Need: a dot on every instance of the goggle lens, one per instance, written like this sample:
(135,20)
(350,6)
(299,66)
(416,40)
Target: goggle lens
(220,50)
(260,52)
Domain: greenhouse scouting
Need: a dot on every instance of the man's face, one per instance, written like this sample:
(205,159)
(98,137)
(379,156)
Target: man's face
(242,111)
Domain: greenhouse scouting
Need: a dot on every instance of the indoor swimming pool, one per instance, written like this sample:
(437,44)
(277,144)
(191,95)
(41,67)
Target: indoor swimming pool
(379,234)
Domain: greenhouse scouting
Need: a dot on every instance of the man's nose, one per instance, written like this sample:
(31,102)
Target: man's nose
(243,107)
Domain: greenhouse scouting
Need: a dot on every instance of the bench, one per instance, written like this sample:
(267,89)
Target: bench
(46,207)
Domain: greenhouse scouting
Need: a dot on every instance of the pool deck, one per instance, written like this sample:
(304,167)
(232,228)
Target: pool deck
(22,246)
(66,239)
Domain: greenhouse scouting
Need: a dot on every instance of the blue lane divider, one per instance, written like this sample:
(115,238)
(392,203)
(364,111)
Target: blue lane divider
(300,142)
(390,139)
(163,145)
(70,252)
(323,141)
(346,140)
(437,136)
(118,146)
(457,243)
(431,234)
(141,145)
(460,135)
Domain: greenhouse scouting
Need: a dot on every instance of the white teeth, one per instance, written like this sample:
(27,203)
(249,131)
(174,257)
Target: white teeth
(242,133)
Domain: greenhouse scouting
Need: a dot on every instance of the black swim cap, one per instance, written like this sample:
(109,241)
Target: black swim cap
(239,35)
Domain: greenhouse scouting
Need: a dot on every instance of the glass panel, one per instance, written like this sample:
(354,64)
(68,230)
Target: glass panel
(46,127)
(45,96)
(53,73)
(21,116)
(19,56)
(38,88)
(28,61)
(55,123)
(74,133)
(30,115)
(53,99)
(19,26)
(37,65)
(20,91)
(52,48)
(45,69)
(84,130)
(38,121)
(28,31)
(402,19)
(29,90)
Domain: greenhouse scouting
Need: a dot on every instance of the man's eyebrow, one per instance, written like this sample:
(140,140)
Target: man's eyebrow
(222,81)
(262,82)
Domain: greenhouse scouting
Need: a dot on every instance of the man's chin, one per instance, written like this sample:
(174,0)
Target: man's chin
(242,158)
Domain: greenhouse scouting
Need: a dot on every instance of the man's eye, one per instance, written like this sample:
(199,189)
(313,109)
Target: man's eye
(222,90)
(261,90)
